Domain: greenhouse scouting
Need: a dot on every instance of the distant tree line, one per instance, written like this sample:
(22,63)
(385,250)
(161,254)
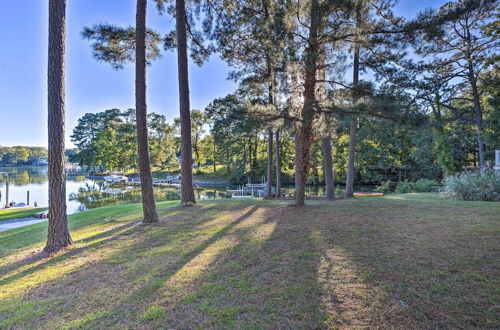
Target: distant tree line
(20,155)
(107,140)
(231,133)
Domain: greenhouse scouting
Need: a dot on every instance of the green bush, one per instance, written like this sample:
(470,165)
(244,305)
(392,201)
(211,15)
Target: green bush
(384,188)
(423,185)
(404,187)
(473,186)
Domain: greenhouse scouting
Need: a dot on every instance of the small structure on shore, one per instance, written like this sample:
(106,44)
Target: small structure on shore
(6,176)
(250,190)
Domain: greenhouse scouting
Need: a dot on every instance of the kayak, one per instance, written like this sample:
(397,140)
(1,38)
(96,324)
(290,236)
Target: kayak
(367,194)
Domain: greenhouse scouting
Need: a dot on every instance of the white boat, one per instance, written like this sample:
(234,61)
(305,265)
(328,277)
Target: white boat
(115,178)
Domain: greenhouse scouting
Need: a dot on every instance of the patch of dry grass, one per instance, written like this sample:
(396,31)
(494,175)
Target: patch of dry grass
(406,261)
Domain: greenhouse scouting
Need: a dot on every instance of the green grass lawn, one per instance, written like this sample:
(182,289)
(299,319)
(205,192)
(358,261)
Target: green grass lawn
(402,261)
(8,214)
(204,173)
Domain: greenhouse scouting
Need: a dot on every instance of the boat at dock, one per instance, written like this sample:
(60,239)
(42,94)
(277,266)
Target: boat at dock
(115,178)
(168,182)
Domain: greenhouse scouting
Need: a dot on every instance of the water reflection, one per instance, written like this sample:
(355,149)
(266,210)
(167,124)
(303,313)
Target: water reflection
(83,193)
(24,175)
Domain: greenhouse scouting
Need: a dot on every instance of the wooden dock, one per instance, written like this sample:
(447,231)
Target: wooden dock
(164,183)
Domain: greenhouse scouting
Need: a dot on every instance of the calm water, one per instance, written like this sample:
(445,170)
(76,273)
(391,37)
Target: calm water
(82,193)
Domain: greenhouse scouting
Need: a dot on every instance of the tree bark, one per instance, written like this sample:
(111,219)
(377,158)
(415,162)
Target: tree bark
(58,234)
(478,112)
(148,201)
(478,116)
(269,163)
(197,151)
(303,127)
(271,99)
(187,191)
(326,143)
(351,172)
(278,164)
(303,138)
(215,165)
(255,149)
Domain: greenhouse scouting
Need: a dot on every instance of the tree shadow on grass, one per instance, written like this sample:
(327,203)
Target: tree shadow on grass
(71,252)
(155,280)
(257,271)
(281,274)
(271,267)
(407,266)
(267,280)
(146,288)
(263,276)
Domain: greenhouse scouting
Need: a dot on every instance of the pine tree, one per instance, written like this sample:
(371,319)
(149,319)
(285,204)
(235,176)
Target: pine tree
(257,60)
(187,190)
(278,163)
(119,46)
(463,46)
(148,201)
(58,233)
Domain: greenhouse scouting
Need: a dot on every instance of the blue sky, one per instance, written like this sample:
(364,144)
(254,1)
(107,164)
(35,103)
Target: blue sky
(93,86)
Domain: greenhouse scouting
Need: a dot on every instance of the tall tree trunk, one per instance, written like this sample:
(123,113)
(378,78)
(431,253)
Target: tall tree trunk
(326,143)
(292,69)
(478,116)
(58,234)
(478,112)
(250,160)
(278,164)
(444,150)
(148,200)
(187,191)
(351,172)
(271,99)
(303,128)
(197,152)
(269,163)
(303,138)
(255,149)
(215,165)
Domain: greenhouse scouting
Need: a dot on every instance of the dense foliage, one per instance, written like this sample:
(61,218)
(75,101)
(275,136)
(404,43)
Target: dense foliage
(20,155)
(409,118)
(474,186)
(107,140)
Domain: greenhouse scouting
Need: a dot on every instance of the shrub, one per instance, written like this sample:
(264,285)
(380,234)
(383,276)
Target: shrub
(473,186)
(384,188)
(423,185)
(403,187)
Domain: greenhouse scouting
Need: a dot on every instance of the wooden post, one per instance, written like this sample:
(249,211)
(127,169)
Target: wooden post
(7,191)
(28,197)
